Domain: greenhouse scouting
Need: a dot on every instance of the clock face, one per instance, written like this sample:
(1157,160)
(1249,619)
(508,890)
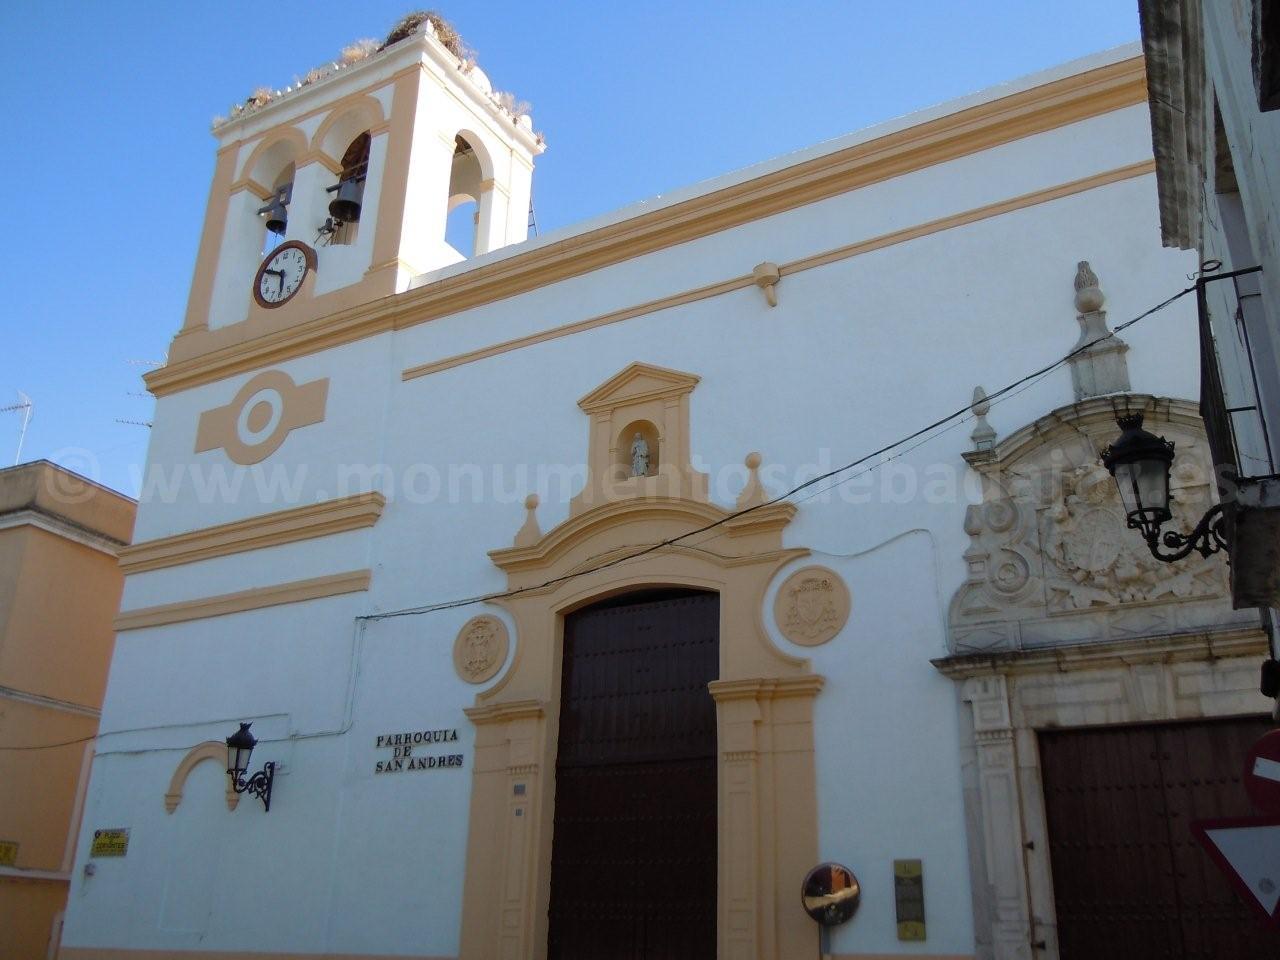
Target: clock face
(282,273)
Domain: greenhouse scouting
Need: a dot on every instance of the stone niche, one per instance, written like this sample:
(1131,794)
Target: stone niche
(1050,558)
(651,403)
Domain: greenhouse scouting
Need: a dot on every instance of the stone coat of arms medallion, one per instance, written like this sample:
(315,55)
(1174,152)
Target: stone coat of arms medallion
(480,649)
(812,606)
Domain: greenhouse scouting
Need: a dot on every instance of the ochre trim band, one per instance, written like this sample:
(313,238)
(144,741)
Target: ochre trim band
(217,606)
(966,132)
(269,530)
(1046,195)
(113,953)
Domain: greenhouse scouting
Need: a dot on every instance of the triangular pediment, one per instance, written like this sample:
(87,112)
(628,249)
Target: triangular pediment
(639,381)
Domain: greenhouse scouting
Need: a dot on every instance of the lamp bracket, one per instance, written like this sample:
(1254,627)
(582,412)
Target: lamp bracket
(1206,539)
(258,785)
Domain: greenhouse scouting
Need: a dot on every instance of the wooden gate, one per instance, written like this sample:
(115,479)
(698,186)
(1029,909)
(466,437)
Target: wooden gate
(633,859)
(1129,881)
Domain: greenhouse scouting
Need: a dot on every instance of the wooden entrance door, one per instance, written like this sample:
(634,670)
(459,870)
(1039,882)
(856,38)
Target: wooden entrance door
(633,857)
(1129,881)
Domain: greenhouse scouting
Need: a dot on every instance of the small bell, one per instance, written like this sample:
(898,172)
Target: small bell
(346,205)
(277,216)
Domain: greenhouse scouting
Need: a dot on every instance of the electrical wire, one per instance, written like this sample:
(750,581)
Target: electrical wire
(50,746)
(1007,390)
(922,436)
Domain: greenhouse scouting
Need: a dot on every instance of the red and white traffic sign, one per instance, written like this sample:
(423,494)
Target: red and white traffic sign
(1247,850)
(1262,773)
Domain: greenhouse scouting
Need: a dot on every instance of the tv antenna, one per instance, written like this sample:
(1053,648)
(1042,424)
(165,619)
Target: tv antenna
(27,407)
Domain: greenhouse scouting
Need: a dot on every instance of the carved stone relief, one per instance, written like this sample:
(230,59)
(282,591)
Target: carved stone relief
(1050,559)
(480,649)
(811,606)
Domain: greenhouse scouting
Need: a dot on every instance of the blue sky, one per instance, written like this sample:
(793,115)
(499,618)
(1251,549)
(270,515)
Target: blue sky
(107,108)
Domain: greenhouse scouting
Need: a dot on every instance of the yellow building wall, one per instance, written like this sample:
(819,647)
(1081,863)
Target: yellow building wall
(58,597)
(56,638)
(24,907)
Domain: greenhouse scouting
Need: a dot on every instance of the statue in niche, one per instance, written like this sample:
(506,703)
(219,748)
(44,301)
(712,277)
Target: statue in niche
(639,456)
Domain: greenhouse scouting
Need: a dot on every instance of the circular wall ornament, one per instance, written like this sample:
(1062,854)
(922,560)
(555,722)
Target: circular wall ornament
(481,648)
(812,606)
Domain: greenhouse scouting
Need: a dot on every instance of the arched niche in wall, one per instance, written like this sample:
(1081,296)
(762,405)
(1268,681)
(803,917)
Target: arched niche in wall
(638,445)
(654,402)
(209,750)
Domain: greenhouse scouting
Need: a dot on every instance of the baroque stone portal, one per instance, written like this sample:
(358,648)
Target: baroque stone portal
(1050,558)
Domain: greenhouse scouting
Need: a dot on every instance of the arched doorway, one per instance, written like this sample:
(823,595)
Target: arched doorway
(766,824)
(633,859)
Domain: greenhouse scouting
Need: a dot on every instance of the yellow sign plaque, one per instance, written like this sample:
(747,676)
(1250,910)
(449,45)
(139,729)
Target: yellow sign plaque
(908,895)
(8,853)
(110,843)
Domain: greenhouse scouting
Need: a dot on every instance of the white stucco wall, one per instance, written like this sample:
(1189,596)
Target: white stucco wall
(856,354)
(1254,140)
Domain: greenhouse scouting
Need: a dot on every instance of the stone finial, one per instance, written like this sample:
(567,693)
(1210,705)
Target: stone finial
(1098,364)
(530,533)
(753,494)
(1088,293)
(983,436)
(766,276)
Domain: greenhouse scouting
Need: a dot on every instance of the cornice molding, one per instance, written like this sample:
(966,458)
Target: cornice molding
(216,606)
(51,523)
(255,533)
(745,281)
(50,703)
(1209,646)
(506,711)
(1070,420)
(621,389)
(767,688)
(560,541)
(956,135)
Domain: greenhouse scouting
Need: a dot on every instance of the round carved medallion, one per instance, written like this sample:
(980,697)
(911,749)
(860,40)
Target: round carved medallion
(812,606)
(1094,542)
(481,648)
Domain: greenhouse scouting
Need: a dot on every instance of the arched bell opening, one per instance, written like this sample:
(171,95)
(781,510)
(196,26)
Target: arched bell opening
(347,196)
(275,211)
(470,178)
(259,208)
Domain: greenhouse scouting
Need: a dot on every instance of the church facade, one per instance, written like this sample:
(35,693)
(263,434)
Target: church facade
(492,553)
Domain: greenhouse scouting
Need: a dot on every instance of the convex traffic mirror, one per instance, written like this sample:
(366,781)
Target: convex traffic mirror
(830,894)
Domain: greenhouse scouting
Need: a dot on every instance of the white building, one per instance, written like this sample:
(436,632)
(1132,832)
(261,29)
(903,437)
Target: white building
(1215,90)
(856,674)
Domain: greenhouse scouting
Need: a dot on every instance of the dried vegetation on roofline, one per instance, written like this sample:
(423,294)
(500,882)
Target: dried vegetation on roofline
(407,26)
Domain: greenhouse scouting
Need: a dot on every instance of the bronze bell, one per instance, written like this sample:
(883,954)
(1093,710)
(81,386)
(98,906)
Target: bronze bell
(346,205)
(277,216)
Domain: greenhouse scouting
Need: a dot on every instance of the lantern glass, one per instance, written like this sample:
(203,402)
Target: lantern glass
(239,749)
(1144,488)
(1140,463)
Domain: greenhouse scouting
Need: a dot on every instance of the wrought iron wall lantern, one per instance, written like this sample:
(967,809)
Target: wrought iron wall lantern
(1140,463)
(239,749)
